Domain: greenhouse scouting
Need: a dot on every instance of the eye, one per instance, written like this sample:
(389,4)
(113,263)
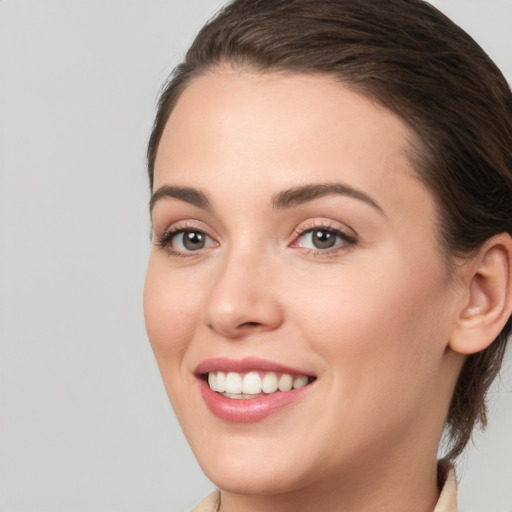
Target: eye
(183,241)
(323,238)
(189,241)
(320,239)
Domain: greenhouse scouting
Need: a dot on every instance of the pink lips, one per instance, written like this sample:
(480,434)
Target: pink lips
(244,365)
(247,410)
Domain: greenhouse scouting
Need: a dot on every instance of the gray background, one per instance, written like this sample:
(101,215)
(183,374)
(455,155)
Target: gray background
(84,420)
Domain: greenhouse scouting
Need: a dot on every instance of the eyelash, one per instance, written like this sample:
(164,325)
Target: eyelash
(164,241)
(347,241)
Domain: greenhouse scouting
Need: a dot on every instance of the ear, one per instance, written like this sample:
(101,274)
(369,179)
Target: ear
(488,298)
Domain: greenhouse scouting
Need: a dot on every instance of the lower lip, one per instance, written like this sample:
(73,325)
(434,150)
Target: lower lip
(249,410)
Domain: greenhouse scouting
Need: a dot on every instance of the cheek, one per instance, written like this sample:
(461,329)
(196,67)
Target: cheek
(170,315)
(378,331)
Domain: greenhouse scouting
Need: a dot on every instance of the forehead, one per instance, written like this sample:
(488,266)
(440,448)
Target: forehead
(273,130)
(275,111)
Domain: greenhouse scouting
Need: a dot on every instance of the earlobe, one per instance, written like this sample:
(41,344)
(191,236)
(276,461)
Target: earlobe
(489,297)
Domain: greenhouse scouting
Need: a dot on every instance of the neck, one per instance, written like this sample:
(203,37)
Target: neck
(406,487)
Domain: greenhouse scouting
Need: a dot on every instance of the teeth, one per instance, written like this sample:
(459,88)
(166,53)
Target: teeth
(252,384)
(285,382)
(233,383)
(212,381)
(300,381)
(269,383)
(221,382)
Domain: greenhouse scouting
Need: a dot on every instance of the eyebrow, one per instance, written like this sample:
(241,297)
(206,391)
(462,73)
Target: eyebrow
(285,199)
(299,195)
(187,194)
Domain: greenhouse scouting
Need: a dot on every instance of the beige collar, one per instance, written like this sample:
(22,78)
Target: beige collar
(448,498)
(210,504)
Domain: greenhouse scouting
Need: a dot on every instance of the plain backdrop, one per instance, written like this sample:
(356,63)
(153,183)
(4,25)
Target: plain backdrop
(84,420)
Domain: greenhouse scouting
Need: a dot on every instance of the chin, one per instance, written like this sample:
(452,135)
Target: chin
(242,477)
(241,466)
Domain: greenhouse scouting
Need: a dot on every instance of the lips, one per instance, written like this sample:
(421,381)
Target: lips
(250,389)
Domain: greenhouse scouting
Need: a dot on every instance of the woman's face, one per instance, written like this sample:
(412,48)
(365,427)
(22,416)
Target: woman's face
(293,244)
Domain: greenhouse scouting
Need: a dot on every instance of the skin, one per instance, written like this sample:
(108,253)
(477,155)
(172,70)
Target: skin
(371,320)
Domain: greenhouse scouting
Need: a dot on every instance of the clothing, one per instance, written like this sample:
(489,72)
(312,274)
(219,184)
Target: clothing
(210,504)
(447,500)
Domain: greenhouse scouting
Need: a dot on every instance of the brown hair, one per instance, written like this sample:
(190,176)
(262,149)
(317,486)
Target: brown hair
(409,57)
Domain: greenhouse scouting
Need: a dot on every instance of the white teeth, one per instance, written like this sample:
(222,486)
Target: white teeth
(251,384)
(236,396)
(285,382)
(300,381)
(236,385)
(221,382)
(212,381)
(269,383)
(233,383)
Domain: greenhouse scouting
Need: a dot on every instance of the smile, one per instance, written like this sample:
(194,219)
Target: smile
(251,389)
(254,384)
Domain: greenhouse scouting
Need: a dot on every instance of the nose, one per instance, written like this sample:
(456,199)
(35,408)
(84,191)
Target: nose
(242,299)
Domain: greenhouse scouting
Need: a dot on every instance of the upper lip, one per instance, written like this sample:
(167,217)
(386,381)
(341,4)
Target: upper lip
(246,365)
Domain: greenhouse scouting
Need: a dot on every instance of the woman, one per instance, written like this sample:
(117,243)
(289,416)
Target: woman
(329,287)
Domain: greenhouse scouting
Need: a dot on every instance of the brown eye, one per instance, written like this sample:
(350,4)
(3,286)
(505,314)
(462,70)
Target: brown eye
(192,240)
(185,241)
(323,239)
